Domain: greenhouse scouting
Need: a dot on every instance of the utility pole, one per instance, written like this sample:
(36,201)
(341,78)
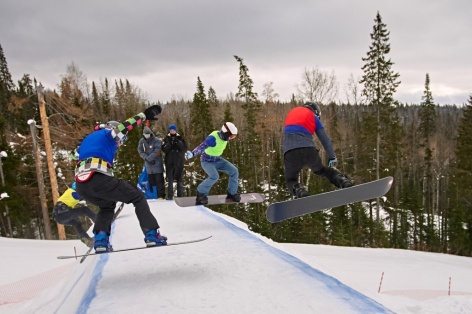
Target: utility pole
(49,155)
(39,175)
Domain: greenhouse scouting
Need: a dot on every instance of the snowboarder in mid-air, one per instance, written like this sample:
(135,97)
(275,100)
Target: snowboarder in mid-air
(211,150)
(97,184)
(299,149)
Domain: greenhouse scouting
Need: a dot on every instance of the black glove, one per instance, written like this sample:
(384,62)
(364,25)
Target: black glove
(152,162)
(152,112)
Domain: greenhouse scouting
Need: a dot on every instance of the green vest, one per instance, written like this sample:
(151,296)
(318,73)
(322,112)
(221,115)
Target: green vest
(218,149)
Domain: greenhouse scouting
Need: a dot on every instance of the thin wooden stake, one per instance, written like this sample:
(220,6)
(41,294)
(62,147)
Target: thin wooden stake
(381,279)
(449,292)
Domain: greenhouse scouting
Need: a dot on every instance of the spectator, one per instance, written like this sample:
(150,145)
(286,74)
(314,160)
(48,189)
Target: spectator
(174,147)
(150,149)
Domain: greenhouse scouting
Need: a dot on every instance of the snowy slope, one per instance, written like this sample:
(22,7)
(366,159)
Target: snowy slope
(236,271)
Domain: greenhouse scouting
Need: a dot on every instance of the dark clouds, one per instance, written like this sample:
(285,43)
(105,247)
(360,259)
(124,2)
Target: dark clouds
(162,46)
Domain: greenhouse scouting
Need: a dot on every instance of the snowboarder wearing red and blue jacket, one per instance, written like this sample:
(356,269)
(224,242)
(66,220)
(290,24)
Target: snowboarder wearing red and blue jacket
(299,149)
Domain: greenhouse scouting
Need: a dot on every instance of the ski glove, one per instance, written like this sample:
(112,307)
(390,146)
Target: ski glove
(332,162)
(188,155)
(152,112)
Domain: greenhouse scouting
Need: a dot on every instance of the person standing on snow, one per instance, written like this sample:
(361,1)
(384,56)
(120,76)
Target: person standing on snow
(66,211)
(149,148)
(211,150)
(300,150)
(97,184)
(174,147)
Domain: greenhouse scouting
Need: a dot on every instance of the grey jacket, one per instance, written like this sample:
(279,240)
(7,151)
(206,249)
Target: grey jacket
(151,150)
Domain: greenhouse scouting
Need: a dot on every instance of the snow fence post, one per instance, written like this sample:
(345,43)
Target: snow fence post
(449,292)
(381,279)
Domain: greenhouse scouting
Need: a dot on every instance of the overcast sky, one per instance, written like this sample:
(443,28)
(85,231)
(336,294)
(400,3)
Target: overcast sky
(163,46)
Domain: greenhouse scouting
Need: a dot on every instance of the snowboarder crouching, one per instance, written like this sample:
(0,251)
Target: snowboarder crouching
(211,150)
(67,211)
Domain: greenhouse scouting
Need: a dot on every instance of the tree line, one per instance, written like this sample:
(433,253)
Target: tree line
(424,146)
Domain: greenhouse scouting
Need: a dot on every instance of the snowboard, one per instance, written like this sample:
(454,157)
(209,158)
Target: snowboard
(118,211)
(136,248)
(220,199)
(301,206)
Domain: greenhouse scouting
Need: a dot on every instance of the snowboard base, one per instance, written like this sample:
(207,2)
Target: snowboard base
(302,206)
(220,199)
(136,248)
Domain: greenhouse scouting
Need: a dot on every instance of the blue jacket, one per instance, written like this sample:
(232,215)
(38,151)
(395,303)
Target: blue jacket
(100,144)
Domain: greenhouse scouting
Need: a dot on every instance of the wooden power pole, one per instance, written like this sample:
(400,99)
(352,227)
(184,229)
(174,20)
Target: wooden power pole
(39,176)
(49,155)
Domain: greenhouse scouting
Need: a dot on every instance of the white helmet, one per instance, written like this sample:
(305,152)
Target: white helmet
(230,128)
(112,124)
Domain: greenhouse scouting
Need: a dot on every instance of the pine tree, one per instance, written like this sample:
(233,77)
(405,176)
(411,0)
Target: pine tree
(251,104)
(200,115)
(426,129)
(460,216)
(212,99)
(380,83)
(105,102)
(96,105)
(250,148)
(6,89)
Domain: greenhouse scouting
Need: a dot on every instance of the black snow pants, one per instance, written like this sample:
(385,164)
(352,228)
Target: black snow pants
(104,191)
(296,159)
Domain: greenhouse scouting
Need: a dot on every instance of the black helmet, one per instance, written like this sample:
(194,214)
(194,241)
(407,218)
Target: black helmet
(313,107)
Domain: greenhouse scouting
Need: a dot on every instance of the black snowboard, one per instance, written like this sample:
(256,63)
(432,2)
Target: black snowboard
(293,208)
(136,248)
(220,199)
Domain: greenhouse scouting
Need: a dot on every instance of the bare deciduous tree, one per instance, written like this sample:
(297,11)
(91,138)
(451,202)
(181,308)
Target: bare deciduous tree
(269,93)
(353,90)
(318,86)
(77,80)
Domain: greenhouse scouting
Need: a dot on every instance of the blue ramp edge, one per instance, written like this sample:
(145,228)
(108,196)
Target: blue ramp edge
(358,301)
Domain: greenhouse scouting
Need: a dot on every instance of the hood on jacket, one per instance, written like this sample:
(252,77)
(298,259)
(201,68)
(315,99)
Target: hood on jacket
(147,131)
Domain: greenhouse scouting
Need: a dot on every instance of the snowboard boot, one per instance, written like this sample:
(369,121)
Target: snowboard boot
(201,199)
(154,238)
(300,191)
(234,197)
(342,181)
(102,243)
